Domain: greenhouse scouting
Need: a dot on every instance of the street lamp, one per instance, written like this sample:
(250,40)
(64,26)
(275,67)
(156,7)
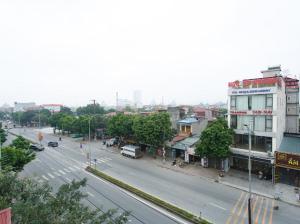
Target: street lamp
(249,168)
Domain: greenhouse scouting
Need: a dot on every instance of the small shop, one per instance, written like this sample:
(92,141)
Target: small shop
(287,161)
(260,166)
(288,169)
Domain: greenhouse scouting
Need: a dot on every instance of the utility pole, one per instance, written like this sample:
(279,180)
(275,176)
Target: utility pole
(90,156)
(94,102)
(249,168)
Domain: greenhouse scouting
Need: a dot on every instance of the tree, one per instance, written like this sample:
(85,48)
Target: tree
(32,202)
(15,158)
(153,130)
(121,126)
(215,140)
(90,109)
(17,155)
(66,110)
(20,143)
(2,136)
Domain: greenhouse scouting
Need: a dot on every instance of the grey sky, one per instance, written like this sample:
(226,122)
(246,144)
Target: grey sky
(72,51)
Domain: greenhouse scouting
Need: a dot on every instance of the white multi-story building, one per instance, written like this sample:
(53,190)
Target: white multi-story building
(261,104)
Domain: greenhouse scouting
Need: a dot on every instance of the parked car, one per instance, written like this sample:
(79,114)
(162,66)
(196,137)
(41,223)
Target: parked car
(52,144)
(36,147)
(111,142)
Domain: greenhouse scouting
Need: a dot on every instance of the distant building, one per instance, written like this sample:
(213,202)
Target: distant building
(21,107)
(54,108)
(6,108)
(137,99)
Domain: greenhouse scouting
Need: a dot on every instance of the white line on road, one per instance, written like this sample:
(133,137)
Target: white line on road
(76,167)
(89,193)
(45,177)
(62,172)
(68,179)
(57,174)
(217,206)
(50,175)
(71,168)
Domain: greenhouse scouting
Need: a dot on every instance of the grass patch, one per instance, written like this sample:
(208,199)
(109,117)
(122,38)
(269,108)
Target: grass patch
(171,208)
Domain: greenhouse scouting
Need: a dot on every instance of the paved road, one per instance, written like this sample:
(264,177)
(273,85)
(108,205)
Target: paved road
(215,202)
(56,167)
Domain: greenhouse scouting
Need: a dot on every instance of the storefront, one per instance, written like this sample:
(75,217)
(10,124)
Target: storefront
(287,168)
(240,162)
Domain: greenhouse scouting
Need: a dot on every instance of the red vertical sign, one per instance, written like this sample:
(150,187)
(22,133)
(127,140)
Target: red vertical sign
(5,216)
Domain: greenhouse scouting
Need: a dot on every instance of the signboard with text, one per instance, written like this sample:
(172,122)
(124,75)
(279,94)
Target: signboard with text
(287,160)
(5,216)
(252,112)
(252,91)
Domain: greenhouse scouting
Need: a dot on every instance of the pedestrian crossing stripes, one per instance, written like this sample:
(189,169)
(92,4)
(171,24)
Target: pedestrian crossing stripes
(62,172)
(45,177)
(261,210)
(50,175)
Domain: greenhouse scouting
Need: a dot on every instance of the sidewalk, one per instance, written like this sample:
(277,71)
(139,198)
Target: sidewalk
(236,179)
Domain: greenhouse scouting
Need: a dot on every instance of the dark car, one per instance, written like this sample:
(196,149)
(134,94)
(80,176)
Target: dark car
(36,147)
(53,144)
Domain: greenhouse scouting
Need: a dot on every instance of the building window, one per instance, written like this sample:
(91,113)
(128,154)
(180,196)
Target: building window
(269,101)
(233,121)
(258,102)
(242,103)
(233,102)
(269,123)
(259,123)
(242,120)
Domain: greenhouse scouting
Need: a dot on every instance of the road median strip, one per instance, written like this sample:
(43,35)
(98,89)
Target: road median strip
(171,208)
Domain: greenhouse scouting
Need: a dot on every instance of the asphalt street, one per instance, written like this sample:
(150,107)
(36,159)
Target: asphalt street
(213,201)
(54,166)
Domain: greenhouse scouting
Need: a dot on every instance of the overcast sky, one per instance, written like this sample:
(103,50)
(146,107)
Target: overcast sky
(73,51)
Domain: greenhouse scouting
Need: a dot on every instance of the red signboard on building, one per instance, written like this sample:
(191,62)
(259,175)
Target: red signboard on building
(253,82)
(5,216)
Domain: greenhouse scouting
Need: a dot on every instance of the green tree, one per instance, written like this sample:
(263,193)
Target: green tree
(215,140)
(20,143)
(15,158)
(121,126)
(32,202)
(153,130)
(66,110)
(90,109)
(2,136)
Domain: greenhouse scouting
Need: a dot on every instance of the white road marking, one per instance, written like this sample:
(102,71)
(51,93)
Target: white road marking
(62,172)
(68,171)
(217,206)
(68,179)
(50,175)
(57,174)
(89,193)
(72,169)
(76,167)
(45,177)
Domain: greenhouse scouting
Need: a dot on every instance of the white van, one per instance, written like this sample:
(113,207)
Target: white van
(131,151)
